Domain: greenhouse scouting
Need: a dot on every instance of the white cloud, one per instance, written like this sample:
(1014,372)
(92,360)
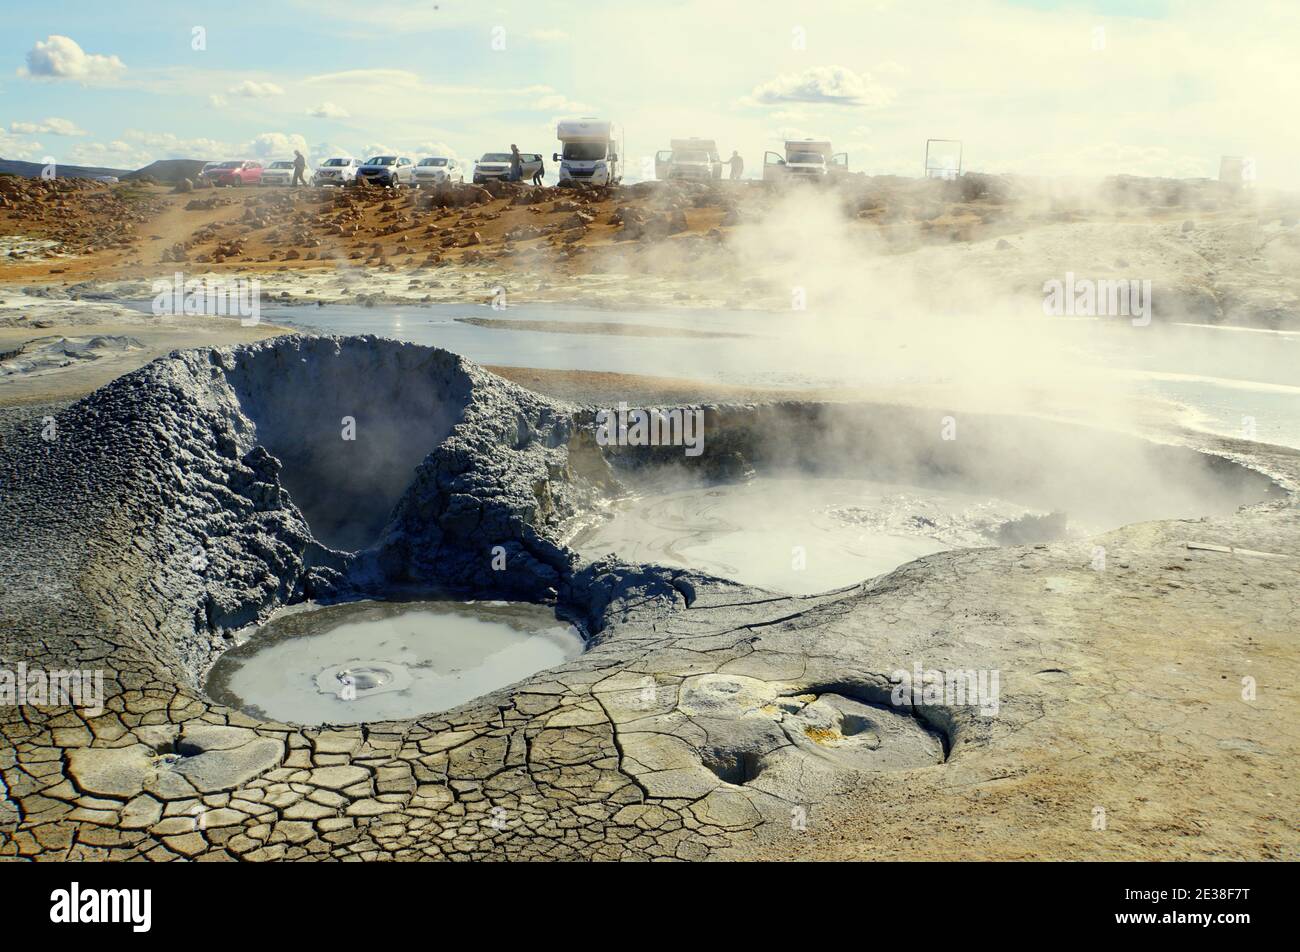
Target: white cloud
(328,110)
(217,101)
(833,85)
(51,126)
(116,155)
(251,89)
(167,145)
(374,149)
(552,100)
(275,145)
(61,57)
(328,150)
(12,147)
(436,148)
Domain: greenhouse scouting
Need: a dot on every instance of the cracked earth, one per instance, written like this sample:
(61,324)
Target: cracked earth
(707,719)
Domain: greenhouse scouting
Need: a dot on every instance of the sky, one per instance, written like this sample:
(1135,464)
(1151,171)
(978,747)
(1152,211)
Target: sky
(1093,87)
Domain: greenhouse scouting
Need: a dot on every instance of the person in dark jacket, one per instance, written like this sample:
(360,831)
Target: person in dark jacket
(516,163)
(541,170)
(299,167)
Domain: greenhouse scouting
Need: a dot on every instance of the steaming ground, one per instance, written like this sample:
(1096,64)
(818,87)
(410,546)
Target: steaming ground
(795,535)
(889,283)
(912,296)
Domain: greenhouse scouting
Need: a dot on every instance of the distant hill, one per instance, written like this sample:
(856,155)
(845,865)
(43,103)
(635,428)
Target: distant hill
(33,170)
(168,171)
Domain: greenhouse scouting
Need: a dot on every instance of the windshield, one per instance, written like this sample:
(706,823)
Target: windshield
(230,165)
(427,162)
(336,163)
(281,165)
(382,160)
(808,158)
(496,157)
(584,151)
(690,156)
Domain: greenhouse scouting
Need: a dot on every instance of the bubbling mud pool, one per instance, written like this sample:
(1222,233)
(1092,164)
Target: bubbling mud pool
(803,536)
(369,661)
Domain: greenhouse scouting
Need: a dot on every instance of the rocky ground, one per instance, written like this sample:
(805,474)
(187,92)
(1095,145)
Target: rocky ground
(707,720)
(1213,255)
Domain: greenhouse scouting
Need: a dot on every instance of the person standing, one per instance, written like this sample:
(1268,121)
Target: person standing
(299,167)
(737,165)
(516,163)
(541,170)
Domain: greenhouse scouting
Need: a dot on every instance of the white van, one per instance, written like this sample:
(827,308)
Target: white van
(692,159)
(590,152)
(804,159)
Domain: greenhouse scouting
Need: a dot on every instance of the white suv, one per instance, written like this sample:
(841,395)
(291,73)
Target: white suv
(437,170)
(341,170)
(278,173)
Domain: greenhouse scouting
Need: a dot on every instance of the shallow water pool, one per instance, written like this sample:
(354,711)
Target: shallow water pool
(368,661)
(796,535)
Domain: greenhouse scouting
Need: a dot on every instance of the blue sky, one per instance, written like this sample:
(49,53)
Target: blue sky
(1138,86)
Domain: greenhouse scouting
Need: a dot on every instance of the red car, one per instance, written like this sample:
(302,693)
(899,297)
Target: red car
(235,174)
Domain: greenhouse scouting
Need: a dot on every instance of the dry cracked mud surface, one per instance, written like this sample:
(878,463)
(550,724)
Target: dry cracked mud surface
(707,719)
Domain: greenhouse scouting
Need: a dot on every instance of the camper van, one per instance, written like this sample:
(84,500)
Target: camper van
(804,159)
(693,159)
(590,152)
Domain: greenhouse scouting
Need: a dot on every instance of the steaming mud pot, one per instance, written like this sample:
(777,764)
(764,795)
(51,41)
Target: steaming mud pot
(219,492)
(374,661)
(799,535)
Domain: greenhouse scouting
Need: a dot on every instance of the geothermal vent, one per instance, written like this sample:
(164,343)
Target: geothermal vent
(349,422)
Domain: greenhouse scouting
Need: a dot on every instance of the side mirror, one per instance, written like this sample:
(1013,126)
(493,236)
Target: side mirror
(555,156)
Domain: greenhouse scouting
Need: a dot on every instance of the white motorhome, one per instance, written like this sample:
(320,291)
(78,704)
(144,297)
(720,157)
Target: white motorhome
(804,159)
(590,152)
(695,159)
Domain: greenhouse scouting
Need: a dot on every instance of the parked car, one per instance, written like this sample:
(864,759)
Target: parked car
(339,170)
(391,170)
(496,165)
(236,173)
(278,173)
(438,170)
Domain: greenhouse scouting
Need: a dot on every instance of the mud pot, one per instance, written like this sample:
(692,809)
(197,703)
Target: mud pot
(340,484)
(373,661)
